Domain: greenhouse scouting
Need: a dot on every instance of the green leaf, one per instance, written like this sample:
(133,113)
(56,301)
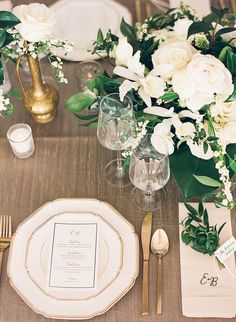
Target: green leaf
(86,117)
(231,62)
(206,218)
(197,27)
(192,210)
(207,181)
(205,147)
(221,227)
(125,163)
(79,101)
(169,97)
(219,13)
(224,52)
(9,110)
(8,20)
(14,93)
(232,97)
(2,37)
(1,73)
(95,85)
(224,31)
(232,163)
(100,36)
(200,208)
(128,31)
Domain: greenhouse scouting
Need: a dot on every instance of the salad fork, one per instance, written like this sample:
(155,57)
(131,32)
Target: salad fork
(5,235)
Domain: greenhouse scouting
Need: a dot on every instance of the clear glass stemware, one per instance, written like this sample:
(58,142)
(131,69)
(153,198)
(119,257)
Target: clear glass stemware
(115,131)
(149,172)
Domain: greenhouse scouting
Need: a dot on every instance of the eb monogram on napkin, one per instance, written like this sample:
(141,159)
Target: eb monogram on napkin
(207,291)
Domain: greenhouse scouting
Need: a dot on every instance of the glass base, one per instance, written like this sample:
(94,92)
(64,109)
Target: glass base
(116,177)
(147,202)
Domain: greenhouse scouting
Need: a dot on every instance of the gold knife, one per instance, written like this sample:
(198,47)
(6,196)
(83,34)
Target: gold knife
(145,239)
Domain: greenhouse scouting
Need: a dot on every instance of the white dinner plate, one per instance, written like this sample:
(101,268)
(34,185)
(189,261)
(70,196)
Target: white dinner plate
(79,20)
(38,256)
(29,254)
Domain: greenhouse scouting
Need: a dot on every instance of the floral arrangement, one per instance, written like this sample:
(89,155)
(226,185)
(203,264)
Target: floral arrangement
(29,30)
(180,72)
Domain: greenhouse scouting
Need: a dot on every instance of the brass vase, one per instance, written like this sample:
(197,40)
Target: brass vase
(40,99)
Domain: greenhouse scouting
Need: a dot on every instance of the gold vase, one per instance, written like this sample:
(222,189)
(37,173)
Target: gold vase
(40,99)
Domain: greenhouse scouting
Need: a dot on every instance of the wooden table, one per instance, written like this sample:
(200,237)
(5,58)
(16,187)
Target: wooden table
(68,162)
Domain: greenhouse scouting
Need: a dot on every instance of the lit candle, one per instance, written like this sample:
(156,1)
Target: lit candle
(21,140)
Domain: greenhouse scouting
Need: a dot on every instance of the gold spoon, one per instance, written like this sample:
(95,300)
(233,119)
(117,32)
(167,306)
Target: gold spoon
(159,247)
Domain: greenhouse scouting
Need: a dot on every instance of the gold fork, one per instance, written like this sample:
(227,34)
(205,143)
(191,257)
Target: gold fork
(5,235)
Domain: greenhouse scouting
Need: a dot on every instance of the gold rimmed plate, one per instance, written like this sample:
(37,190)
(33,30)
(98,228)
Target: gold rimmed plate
(57,305)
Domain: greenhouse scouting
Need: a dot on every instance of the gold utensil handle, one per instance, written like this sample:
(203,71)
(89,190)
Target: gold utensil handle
(1,255)
(145,298)
(159,286)
(19,59)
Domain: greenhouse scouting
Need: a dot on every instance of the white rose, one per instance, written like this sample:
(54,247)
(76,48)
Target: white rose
(228,133)
(198,150)
(181,28)
(37,21)
(223,112)
(122,52)
(183,85)
(175,54)
(210,75)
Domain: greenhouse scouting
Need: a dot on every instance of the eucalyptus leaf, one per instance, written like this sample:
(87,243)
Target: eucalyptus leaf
(192,210)
(205,218)
(2,37)
(100,37)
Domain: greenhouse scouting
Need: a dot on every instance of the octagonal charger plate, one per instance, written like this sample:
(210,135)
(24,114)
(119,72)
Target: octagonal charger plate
(30,252)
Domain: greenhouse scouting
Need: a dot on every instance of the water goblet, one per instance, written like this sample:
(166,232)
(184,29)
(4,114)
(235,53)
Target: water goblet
(115,131)
(149,171)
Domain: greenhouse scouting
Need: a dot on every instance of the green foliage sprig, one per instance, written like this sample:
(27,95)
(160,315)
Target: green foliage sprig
(198,233)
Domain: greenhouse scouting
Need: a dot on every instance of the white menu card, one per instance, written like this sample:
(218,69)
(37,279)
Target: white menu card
(73,261)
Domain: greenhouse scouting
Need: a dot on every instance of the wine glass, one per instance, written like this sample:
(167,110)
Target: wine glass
(149,171)
(115,131)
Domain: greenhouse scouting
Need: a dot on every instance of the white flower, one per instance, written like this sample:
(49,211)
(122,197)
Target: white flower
(183,85)
(198,151)
(148,86)
(122,52)
(181,28)
(209,77)
(223,112)
(204,77)
(37,21)
(228,133)
(182,129)
(174,56)
(163,130)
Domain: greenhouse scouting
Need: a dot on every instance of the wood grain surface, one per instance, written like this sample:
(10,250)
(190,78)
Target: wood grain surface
(69,162)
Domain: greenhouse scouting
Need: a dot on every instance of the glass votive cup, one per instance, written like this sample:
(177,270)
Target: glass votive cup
(21,140)
(86,71)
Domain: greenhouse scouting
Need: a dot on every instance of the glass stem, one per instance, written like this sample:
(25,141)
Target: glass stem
(148,192)
(119,163)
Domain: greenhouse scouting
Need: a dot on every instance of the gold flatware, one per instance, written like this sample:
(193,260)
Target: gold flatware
(138,10)
(159,247)
(146,230)
(5,235)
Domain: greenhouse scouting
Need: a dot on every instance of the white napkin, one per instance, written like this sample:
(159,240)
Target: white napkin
(6,5)
(202,7)
(214,297)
